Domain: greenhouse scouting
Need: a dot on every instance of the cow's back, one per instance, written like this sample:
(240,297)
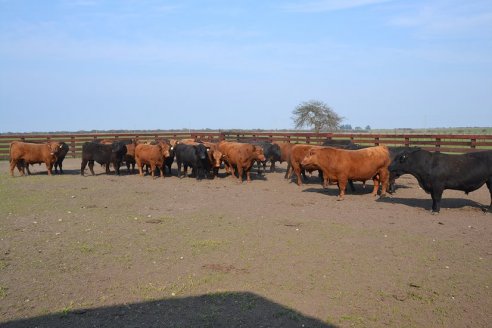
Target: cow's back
(285,149)
(148,153)
(360,164)
(29,152)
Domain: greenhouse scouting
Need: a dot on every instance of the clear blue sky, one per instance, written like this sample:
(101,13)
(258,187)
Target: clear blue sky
(145,64)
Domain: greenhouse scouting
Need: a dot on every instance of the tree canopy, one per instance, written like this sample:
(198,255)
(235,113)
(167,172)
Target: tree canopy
(316,114)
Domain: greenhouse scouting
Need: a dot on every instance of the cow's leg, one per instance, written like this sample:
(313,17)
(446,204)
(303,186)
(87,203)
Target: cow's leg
(179,169)
(91,167)
(49,167)
(351,185)
(82,167)
(303,172)
(436,195)
(297,170)
(288,173)
(248,175)
(21,168)
(13,164)
(391,183)
(140,167)
(152,170)
(342,184)
(26,167)
(107,168)
(240,173)
(489,185)
(272,166)
(384,180)
(233,172)
(375,180)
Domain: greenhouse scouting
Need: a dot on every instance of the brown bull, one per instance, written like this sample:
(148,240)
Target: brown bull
(340,166)
(240,155)
(297,154)
(24,153)
(152,155)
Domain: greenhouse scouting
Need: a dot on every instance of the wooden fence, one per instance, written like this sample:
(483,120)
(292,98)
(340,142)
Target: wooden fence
(449,143)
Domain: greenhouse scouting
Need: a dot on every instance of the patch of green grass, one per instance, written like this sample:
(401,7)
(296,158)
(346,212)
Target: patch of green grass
(66,310)
(86,249)
(3,264)
(3,292)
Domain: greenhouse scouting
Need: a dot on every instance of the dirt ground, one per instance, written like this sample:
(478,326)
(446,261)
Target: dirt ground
(130,251)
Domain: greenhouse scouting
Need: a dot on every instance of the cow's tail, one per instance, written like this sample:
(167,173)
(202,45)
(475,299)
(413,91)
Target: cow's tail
(10,152)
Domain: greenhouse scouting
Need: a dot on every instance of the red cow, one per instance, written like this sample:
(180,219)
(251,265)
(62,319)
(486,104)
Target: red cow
(297,154)
(24,153)
(152,155)
(240,155)
(340,166)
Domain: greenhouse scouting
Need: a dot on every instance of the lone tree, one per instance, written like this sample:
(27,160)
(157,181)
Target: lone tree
(317,114)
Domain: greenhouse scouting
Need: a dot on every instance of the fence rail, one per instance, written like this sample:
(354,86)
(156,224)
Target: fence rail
(449,143)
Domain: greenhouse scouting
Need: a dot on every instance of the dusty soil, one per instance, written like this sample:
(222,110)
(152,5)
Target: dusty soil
(131,251)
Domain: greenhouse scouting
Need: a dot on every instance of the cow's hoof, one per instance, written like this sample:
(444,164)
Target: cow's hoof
(434,212)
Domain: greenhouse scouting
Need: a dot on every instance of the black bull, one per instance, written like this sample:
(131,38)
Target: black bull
(436,172)
(103,154)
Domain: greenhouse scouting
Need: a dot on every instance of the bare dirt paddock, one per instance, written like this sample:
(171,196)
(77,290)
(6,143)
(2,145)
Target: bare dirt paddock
(109,251)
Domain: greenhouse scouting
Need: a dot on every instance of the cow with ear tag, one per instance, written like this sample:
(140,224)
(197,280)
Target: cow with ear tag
(436,172)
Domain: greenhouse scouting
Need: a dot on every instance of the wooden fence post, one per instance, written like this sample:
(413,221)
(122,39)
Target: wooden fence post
(473,143)
(438,145)
(72,145)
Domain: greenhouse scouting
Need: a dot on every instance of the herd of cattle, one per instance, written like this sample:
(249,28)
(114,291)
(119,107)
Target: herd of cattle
(337,161)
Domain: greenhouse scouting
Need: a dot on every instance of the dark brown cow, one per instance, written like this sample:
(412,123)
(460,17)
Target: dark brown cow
(130,157)
(152,155)
(340,165)
(240,155)
(297,154)
(285,149)
(24,153)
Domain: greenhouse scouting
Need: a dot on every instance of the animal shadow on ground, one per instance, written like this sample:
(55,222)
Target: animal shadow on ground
(229,309)
(333,190)
(426,203)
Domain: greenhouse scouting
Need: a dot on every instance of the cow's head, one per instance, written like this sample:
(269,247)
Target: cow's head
(165,149)
(310,161)
(259,153)
(55,147)
(215,157)
(201,151)
(404,162)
